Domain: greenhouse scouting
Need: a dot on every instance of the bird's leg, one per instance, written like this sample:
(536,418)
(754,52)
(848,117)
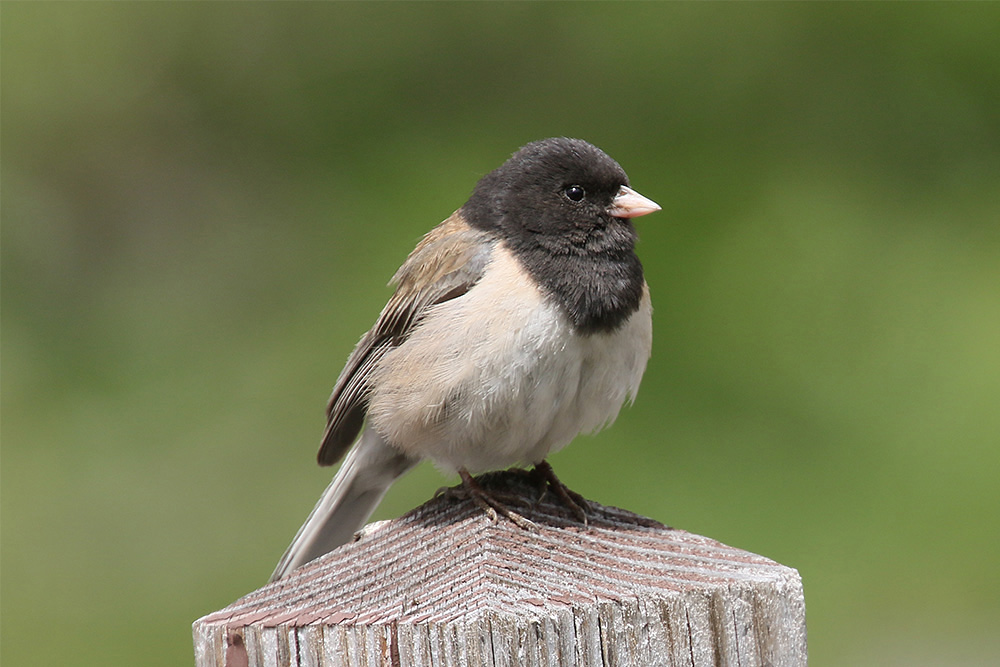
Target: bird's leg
(570,498)
(488,503)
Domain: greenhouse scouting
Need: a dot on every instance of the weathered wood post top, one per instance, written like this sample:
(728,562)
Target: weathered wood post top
(442,585)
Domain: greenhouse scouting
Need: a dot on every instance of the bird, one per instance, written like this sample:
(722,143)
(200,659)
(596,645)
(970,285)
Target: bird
(520,321)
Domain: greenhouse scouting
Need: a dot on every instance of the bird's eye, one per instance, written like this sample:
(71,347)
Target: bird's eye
(574,192)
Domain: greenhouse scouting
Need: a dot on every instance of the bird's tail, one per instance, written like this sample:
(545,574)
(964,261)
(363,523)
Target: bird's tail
(366,474)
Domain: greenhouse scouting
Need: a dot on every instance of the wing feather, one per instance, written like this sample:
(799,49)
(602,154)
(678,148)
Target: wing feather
(447,262)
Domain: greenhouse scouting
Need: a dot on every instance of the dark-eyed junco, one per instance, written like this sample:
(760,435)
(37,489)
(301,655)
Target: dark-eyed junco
(517,323)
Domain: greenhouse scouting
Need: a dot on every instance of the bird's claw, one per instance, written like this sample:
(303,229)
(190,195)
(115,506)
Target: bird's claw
(491,504)
(576,503)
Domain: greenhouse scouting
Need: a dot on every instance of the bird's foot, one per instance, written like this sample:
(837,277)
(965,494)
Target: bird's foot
(490,503)
(576,503)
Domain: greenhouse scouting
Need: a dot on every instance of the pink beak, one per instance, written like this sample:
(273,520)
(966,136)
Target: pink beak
(630,204)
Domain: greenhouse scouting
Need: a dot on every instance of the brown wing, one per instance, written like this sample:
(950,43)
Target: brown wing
(446,263)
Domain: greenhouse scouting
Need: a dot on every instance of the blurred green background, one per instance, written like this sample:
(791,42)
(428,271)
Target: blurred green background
(202,203)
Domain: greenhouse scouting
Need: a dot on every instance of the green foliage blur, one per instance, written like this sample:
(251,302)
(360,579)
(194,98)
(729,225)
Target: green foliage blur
(202,204)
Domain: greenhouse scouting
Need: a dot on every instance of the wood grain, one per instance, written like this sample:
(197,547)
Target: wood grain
(442,585)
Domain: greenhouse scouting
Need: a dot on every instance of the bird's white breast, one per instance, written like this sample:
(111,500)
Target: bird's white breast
(498,376)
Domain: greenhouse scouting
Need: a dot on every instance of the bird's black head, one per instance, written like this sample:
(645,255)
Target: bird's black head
(557,189)
(552,204)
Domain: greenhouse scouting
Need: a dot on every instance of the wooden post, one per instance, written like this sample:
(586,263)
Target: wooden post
(442,585)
